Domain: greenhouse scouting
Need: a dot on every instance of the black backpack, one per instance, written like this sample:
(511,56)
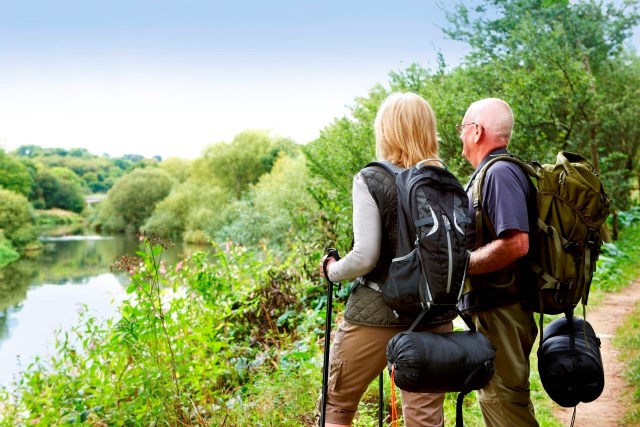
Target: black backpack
(431,256)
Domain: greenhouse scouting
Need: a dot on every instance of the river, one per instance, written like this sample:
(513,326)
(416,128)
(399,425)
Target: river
(39,296)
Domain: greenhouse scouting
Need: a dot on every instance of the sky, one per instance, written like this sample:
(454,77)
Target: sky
(168,78)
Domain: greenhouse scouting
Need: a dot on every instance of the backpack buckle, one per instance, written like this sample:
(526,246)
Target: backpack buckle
(562,288)
(571,246)
(593,236)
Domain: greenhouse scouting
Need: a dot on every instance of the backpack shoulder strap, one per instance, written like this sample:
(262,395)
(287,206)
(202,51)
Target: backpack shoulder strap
(388,166)
(529,168)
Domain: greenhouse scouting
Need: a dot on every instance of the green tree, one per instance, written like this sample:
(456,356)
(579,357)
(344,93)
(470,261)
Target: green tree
(343,148)
(191,208)
(133,198)
(555,61)
(14,175)
(179,169)
(274,209)
(240,163)
(58,188)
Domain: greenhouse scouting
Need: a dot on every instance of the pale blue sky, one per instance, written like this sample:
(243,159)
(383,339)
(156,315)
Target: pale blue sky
(170,77)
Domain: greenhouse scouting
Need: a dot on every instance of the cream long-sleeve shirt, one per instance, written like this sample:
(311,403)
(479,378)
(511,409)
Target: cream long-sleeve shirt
(367,236)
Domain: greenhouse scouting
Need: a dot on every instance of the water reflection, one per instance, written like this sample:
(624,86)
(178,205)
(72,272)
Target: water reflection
(29,327)
(38,296)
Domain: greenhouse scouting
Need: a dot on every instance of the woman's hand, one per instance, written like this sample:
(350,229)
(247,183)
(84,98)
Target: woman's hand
(329,261)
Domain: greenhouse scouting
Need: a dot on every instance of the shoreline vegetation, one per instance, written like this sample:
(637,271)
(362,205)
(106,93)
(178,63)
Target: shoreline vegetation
(226,338)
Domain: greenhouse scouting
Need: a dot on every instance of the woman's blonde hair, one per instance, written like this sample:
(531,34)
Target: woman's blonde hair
(405,129)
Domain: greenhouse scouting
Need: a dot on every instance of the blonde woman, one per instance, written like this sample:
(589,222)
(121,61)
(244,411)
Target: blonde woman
(405,129)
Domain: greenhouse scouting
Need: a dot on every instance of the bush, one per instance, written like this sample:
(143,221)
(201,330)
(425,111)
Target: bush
(132,199)
(16,219)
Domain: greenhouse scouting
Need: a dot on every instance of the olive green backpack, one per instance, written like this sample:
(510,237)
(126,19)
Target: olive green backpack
(565,243)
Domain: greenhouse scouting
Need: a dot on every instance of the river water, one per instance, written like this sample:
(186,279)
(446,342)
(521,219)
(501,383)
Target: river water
(42,295)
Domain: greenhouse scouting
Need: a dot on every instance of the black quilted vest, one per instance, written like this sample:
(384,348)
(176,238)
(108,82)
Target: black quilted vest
(382,187)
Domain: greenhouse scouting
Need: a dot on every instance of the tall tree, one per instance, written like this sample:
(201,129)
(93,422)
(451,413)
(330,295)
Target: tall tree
(133,198)
(553,61)
(240,163)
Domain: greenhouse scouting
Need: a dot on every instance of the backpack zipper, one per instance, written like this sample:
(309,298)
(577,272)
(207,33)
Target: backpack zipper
(447,226)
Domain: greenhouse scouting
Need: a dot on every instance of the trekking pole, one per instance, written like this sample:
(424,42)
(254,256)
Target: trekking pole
(381,399)
(331,253)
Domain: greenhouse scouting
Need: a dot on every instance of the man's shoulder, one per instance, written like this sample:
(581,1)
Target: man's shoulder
(503,168)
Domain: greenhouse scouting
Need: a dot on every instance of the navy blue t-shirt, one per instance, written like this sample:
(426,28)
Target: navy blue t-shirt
(505,193)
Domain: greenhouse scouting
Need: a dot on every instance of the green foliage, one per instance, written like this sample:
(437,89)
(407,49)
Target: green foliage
(96,173)
(14,175)
(240,163)
(275,208)
(58,188)
(132,200)
(7,253)
(575,51)
(621,136)
(190,207)
(179,169)
(16,219)
(188,339)
(617,265)
(342,149)
(215,195)
(628,343)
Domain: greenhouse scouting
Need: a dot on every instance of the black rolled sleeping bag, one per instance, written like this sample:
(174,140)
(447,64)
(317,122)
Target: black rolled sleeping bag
(570,363)
(458,361)
(427,362)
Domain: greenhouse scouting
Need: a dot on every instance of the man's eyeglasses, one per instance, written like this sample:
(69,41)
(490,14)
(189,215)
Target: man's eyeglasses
(460,127)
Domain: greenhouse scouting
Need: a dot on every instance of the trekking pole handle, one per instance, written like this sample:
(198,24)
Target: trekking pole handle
(331,253)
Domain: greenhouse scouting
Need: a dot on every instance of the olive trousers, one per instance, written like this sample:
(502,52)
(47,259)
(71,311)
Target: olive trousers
(506,401)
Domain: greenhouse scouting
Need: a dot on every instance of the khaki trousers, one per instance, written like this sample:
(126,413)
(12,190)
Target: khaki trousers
(358,355)
(506,401)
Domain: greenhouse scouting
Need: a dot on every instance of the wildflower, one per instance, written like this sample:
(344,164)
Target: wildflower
(179,266)
(127,263)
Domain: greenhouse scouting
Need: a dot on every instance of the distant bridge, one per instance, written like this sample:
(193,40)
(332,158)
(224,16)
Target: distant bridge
(93,199)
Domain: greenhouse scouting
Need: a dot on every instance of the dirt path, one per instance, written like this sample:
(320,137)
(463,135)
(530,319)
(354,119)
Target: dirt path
(610,406)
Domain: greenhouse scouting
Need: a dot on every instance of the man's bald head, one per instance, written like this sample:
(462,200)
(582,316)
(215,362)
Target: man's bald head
(495,117)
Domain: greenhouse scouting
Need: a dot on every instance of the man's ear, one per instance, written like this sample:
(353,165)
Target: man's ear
(478,130)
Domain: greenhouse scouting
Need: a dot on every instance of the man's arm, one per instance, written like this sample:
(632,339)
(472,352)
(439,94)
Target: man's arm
(500,253)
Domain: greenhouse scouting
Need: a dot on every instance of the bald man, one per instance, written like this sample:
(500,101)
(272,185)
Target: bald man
(493,290)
